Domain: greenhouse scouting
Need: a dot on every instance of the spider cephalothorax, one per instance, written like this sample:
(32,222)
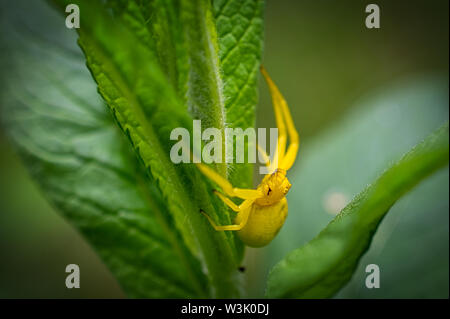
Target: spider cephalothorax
(274,187)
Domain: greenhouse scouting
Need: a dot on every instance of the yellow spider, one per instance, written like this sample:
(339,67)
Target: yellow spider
(264,209)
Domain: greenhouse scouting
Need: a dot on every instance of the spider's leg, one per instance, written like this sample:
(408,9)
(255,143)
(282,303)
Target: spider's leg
(279,102)
(244,211)
(227,201)
(294,139)
(264,156)
(266,159)
(226,185)
(282,137)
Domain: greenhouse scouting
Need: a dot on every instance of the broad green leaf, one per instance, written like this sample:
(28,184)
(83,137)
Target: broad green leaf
(147,109)
(157,66)
(196,47)
(322,266)
(223,91)
(84,164)
(213,71)
(211,55)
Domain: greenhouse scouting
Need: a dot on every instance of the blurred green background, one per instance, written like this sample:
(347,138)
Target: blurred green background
(360,98)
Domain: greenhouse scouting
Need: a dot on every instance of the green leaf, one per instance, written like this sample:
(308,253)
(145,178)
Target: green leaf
(322,266)
(211,55)
(157,66)
(147,114)
(85,165)
(240,34)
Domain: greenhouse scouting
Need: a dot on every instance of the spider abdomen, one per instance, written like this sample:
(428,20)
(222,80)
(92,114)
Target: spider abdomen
(264,223)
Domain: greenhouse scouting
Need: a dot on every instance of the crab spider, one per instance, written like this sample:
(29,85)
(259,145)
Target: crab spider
(263,211)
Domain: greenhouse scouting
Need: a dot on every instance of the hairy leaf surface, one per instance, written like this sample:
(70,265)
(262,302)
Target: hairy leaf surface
(157,66)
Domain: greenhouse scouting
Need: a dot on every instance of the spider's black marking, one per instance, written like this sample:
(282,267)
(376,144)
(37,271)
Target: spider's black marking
(241,269)
(268,192)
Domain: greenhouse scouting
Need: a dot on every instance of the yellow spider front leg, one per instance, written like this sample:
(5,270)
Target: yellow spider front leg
(227,201)
(243,212)
(282,112)
(266,159)
(226,185)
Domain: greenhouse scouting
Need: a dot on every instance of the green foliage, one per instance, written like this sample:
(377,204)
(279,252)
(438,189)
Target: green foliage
(98,143)
(322,266)
(144,219)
